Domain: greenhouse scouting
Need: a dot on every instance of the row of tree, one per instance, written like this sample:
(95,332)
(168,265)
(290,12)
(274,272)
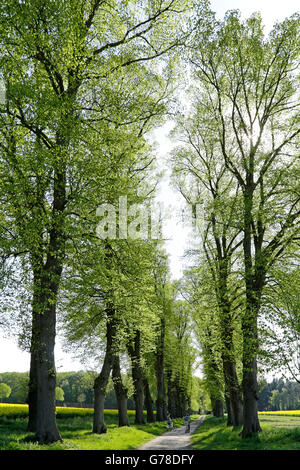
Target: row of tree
(82,94)
(238,165)
(77,389)
(86,83)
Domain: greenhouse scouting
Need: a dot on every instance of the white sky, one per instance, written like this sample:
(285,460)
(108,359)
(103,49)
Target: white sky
(12,359)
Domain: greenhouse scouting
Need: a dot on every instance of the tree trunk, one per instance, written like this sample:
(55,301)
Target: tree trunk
(134,351)
(99,426)
(180,402)
(250,389)
(47,274)
(161,408)
(42,376)
(228,408)
(121,392)
(101,381)
(32,394)
(217,408)
(171,395)
(233,393)
(254,280)
(46,428)
(148,402)
(233,390)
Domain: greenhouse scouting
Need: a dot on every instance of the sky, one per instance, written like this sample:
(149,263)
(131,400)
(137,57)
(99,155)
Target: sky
(13,359)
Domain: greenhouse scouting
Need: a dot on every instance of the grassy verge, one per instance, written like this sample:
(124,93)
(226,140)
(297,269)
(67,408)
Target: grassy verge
(75,426)
(213,434)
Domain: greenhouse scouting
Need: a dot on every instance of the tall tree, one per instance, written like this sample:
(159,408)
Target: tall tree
(203,180)
(249,86)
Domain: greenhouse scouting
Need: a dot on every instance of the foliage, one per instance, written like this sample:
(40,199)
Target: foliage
(5,390)
(279,395)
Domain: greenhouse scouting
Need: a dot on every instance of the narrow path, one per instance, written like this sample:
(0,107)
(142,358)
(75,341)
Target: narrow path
(173,440)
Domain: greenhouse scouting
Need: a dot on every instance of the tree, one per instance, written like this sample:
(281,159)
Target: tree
(5,390)
(71,53)
(199,293)
(249,87)
(202,179)
(280,321)
(163,291)
(59,394)
(180,356)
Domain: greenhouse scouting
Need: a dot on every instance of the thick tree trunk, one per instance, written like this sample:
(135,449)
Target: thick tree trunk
(171,395)
(148,402)
(232,388)
(32,394)
(254,281)
(250,389)
(180,400)
(46,428)
(134,351)
(99,426)
(233,393)
(121,392)
(161,406)
(228,408)
(42,383)
(217,408)
(47,274)
(101,381)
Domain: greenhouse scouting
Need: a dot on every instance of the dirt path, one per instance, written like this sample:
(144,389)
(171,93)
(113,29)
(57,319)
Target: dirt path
(173,440)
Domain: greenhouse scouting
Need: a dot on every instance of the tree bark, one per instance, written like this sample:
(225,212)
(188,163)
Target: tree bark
(46,428)
(161,406)
(42,383)
(217,408)
(121,392)
(228,408)
(250,390)
(134,351)
(254,280)
(101,381)
(47,275)
(32,393)
(233,390)
(148,401)
(171,395)
(234,395)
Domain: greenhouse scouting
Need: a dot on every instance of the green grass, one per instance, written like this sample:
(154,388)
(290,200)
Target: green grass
(75,426)
(280,420)
(278,433)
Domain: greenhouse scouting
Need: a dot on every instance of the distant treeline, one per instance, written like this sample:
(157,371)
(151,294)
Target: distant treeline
(77,389)
(279,395)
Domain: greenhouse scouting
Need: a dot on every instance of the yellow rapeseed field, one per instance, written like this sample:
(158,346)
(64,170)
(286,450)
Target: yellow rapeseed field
(282,413)
(14,410)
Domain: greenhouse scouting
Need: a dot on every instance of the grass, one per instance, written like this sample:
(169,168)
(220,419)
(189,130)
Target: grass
(281,431)
(278,433)
(75,426)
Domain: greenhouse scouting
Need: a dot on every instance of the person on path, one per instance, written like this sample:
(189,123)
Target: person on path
(187,421)
(170,422)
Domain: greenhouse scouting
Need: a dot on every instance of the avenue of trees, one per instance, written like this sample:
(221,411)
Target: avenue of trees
(86,84)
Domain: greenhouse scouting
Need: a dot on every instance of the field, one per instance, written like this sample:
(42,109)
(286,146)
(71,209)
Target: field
(281,431)
(75,425)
